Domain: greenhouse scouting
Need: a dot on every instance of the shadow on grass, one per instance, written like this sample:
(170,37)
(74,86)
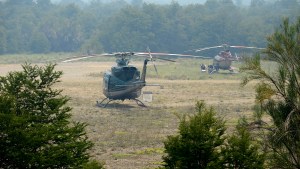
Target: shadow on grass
(122,105)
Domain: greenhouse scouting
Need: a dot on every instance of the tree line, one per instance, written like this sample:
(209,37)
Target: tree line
(37,114)
(40,26)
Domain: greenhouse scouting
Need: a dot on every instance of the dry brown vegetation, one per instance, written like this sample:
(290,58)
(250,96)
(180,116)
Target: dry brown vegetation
(129,136)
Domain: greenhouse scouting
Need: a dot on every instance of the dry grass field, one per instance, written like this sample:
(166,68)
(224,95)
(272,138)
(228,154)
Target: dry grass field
(129,136)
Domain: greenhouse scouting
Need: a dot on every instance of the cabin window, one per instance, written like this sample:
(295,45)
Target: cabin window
(127,74)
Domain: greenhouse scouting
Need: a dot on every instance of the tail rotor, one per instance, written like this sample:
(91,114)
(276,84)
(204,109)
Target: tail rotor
(152,60)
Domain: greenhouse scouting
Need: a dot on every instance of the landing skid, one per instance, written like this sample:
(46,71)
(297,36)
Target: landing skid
(102,103)
(140,103)
(105,102)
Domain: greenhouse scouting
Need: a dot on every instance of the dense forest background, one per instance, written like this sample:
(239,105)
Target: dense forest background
(41,26)
(182,2)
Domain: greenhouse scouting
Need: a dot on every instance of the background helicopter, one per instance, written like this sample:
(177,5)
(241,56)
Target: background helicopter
(125,81)
(224,59)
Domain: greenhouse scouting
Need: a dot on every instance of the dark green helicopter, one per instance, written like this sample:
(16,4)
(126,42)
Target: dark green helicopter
(125,81)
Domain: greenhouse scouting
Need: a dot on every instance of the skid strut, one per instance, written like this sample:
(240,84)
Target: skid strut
(102,103)
(140,103)
(106,100)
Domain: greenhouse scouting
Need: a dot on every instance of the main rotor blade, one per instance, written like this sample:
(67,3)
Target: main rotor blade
(226,46)
(206,48)
(172,54)
(75,58)
(248,47)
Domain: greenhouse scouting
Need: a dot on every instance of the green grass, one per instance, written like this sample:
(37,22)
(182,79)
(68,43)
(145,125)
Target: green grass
(189,69)
(182,69)
(150,151)
(45,58)
(32,58)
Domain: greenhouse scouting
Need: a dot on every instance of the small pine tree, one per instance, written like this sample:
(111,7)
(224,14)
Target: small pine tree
(239,152)
(198,140)
(279,93)
(35,131)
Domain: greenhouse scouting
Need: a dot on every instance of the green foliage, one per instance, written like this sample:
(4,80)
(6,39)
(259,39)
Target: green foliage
(198,141)
(239,152)
(93,165)
(279,93)
(35,131)
(201,143)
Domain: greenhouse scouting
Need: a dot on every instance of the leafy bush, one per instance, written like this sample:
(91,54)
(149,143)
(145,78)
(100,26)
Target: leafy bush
(239,152)
(201,143)
(198,141)
(35,131)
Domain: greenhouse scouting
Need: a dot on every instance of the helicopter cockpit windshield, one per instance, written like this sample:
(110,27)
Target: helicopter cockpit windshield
(225,54)
(126,73)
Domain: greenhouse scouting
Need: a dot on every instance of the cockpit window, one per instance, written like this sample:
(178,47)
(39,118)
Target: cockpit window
(126,73)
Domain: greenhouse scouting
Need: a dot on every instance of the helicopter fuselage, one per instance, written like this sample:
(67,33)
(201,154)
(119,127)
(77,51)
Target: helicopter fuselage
(122,82)
(221,63)
(223,60)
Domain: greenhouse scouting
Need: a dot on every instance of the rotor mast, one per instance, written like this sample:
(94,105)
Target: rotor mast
(123,58)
